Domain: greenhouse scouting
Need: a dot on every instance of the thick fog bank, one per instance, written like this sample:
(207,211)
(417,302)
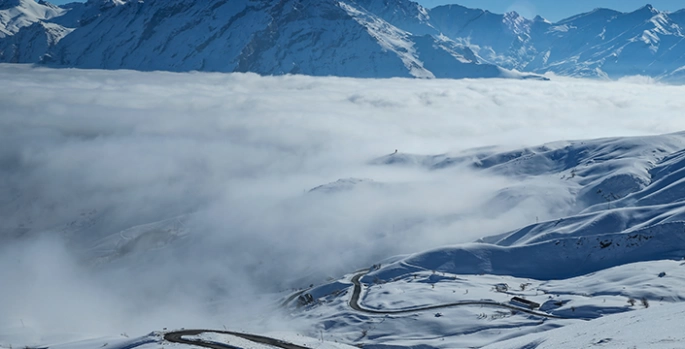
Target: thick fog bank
(132,200)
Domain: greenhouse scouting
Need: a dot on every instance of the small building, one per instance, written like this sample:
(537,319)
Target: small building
(524,303)
(501,287)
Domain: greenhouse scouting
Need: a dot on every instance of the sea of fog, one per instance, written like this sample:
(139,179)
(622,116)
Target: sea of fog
(90,158)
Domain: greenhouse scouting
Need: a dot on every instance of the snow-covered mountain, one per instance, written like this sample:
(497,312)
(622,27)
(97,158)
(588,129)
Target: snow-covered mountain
(508,40)
(605,42)
(310,37)
(600,43)
(358,38)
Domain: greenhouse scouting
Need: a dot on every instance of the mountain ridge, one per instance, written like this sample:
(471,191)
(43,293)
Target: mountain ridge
(354,38)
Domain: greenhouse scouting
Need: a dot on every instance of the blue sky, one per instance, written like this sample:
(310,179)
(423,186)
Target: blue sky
(551,9)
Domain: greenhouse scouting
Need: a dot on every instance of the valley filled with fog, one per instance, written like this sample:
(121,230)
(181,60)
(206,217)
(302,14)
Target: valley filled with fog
(136,201)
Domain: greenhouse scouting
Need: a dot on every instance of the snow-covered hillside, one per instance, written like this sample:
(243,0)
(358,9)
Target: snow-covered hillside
(649,328)
(17,14)
(302,211)
(618,240)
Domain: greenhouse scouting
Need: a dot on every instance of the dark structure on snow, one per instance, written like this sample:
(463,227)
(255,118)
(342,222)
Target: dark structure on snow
(518,301)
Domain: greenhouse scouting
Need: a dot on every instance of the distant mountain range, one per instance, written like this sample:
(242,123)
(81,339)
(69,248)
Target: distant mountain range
(355,38)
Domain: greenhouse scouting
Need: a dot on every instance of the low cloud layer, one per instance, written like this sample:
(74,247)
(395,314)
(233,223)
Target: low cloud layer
(131,201)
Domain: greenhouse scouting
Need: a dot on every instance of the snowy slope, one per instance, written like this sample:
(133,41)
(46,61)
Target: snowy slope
(441,309)
(405,14)
(32,43)
(17,14)
(656,328)
(29,30)
(203,339)
(617,245)
(623,205)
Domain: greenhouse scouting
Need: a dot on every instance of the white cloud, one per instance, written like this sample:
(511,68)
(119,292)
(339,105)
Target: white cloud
(85,155)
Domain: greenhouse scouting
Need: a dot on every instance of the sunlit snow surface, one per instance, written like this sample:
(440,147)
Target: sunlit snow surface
(132,202)
(649,328)
(576,300)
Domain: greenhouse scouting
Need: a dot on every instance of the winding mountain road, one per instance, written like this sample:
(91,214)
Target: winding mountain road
(177,337)
(356,295)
